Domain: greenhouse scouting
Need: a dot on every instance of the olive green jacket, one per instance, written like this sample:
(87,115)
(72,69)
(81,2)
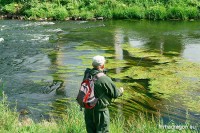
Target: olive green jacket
(104,89)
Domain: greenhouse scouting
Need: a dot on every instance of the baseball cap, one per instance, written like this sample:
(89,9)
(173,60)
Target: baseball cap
(98,61)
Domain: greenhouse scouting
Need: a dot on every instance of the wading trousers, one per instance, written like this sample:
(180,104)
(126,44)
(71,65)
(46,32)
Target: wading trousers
(97,120)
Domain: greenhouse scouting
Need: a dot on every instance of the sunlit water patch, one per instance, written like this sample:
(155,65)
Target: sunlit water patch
(194,49)
(55,30)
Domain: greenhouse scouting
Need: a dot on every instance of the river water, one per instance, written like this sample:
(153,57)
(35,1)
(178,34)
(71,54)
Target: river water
(35,55)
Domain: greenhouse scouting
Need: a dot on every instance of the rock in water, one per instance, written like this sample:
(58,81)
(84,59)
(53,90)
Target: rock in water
(54,86)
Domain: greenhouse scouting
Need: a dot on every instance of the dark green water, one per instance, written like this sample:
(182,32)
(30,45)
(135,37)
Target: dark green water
(33,55)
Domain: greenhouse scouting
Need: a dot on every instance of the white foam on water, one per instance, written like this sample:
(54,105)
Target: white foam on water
(39,37)
(55,30)
(81,22)
(3,27)
(38,24)
(1,40)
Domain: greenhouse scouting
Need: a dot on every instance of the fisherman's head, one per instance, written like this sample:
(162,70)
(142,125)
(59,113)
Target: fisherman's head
(98,62)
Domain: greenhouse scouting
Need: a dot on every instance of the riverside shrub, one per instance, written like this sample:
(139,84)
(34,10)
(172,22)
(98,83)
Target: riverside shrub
(177,12)
(120,13)
(157,12)
(12,8)
(135,11)
(104,12)
(192,12)
(86,14)
(60,13)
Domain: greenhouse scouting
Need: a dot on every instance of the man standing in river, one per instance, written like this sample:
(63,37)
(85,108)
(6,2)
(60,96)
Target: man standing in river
(97,119)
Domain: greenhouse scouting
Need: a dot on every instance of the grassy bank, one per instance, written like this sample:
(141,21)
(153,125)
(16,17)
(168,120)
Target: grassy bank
(99,9)
(73,122)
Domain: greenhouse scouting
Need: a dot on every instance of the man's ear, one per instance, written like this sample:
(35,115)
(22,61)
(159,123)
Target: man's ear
(102,67)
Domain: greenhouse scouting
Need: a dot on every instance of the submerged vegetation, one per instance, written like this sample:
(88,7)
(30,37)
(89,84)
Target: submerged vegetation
(169,76)
(101,9)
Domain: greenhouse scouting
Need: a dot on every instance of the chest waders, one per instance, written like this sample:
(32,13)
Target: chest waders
(97,121)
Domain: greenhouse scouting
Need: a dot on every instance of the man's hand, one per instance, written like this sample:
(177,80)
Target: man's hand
(121,89)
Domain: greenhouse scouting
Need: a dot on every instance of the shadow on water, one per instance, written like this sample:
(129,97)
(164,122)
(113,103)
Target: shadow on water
(138,61)
(143,103)
(143,88)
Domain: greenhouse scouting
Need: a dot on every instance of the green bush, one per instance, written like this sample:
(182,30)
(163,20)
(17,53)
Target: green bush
(104,12)
(176,2)
(60,13)
(192,12)
(47,10)
(73,5)
(157,12)
(183,12)
(177,12)
(120,12)
(132,12)
(36,13)
(194,3)
(86,15)
(12,8)
(137,12)
(39,11)
(74,13)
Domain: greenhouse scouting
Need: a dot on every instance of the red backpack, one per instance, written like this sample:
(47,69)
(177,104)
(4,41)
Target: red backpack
(86,97)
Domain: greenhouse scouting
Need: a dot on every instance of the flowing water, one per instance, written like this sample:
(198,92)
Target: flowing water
(42,63)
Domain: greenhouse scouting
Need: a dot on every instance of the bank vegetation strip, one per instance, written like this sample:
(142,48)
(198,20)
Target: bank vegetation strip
(100,9)
(73,122)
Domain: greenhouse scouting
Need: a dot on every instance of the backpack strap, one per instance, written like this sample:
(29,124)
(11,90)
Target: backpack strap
(87,74)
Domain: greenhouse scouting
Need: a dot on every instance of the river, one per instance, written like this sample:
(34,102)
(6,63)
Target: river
(36,56)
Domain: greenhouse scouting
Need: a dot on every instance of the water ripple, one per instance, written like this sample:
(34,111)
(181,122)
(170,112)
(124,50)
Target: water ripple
(38,24)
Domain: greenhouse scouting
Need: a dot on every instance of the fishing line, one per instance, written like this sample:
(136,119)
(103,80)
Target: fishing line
(140,61)
(126,81)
